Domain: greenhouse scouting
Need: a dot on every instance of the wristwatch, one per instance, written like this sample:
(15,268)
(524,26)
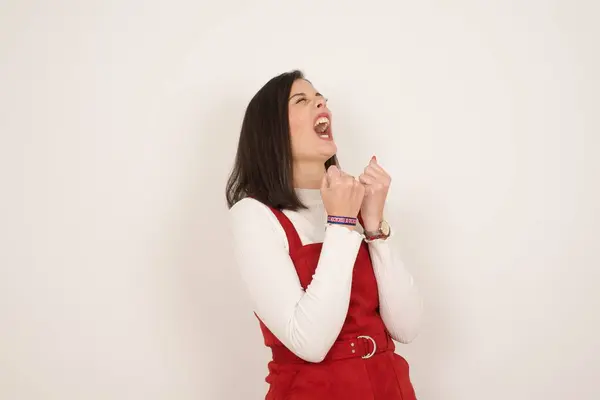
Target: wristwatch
(382,233)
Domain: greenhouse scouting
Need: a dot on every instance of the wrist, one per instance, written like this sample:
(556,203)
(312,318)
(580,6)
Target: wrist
(346,222)
(372,224)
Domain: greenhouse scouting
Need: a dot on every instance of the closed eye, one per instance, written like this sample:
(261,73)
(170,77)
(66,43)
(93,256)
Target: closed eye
(302,97)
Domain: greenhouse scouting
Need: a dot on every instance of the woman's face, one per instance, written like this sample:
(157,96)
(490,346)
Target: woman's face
(310,124)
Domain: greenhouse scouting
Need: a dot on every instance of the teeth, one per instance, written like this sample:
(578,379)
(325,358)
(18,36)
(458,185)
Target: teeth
(321,125)
(322,120)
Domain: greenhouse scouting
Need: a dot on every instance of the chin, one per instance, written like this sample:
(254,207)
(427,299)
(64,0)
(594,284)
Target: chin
(324,159)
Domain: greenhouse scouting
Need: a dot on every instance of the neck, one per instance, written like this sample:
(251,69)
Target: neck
(308,175)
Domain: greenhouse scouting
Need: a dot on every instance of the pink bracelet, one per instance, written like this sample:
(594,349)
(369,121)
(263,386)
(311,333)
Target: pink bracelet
(333,219)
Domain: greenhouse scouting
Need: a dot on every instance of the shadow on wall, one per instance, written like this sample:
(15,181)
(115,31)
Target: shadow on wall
(419,218)
(221,333)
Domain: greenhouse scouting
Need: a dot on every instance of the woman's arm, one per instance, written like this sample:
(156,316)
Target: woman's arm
(306,322)
(400,302)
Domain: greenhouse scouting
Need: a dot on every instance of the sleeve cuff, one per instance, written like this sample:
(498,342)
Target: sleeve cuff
(380,240)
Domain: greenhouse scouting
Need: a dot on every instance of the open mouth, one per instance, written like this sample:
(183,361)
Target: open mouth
(323,127)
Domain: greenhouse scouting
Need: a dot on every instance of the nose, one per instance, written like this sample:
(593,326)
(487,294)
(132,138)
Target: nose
(320,102)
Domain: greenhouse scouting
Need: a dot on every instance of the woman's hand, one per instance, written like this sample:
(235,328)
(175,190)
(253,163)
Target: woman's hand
(342,193)
(377,183)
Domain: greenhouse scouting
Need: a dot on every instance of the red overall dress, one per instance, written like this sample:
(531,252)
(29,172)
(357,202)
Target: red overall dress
(361,365)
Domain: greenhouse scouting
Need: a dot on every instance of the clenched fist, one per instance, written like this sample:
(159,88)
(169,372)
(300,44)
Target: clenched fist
(342,193)
(377,183)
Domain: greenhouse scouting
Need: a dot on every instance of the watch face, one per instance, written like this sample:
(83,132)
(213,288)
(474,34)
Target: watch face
(385,228)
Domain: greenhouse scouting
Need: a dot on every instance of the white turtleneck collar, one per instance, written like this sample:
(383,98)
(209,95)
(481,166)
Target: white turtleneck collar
(310,197)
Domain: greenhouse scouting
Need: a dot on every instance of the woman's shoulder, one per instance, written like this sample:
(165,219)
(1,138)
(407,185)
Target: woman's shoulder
(252,219)
(248,206)
(251,211)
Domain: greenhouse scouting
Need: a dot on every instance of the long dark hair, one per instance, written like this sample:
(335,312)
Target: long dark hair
(263,167)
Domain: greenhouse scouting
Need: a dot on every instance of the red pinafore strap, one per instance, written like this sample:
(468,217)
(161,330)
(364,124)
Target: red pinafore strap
(291,233)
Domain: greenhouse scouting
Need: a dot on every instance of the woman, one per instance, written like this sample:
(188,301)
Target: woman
(328,291)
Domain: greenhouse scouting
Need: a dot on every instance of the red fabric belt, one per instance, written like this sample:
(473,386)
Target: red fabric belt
(365,346)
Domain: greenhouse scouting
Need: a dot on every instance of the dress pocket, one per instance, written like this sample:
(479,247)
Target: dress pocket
(300,382)
(280,379)
(312,381)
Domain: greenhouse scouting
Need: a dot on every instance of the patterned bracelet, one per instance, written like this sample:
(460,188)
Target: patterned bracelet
(333,219)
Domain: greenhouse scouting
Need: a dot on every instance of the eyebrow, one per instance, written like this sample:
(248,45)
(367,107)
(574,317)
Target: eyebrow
(304,94)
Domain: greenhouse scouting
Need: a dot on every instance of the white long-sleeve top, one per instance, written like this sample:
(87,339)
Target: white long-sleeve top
(308,322)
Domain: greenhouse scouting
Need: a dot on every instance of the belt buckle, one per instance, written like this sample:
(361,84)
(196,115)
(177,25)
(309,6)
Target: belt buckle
(374,346)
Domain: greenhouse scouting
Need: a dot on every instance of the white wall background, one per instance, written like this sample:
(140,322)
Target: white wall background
(119,122)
